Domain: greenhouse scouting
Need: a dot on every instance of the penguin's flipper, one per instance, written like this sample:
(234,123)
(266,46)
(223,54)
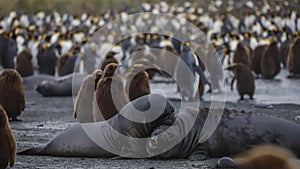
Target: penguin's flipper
(232,82)
(199,70)
(31,151)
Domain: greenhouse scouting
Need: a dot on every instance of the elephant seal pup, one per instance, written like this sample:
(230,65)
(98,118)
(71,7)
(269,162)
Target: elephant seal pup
(31,82)
(293,60)
(261,157)
(23,63)
(110,93)
(83,108)
(83,140)
(7,142)
(12,95)
(137,82)
(236,133)
(63,86)
(245,80)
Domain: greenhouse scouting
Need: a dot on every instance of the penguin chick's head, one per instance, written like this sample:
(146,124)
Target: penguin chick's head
(111,54)
(110,70)
(10,76)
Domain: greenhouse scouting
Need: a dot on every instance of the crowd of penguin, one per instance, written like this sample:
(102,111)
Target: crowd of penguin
(251,33)
(253,39)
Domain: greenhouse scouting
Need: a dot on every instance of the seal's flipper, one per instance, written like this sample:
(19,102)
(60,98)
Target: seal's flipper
(31,151)
(226,162)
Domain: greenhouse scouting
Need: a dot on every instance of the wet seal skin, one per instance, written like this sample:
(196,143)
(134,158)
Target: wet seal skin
(237,132)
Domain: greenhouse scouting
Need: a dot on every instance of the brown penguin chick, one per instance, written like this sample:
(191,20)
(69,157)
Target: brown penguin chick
(245,80)
(23,63)
(83,107)
(110,93)
(12,93)
(270,62)
(242,55)
(140,53)
(293,61)
(7,142)
(284,51)
(61,63)
(201,88)
(109,58)
(267,157)
(137,82)
(256,59)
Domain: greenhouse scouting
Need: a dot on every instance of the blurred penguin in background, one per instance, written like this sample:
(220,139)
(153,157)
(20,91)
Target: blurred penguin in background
(185,73)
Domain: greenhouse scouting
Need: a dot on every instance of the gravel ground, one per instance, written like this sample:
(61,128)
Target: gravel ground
(45,117)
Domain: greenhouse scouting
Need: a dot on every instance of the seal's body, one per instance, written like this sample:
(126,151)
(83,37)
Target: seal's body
(95,139)
(236,133)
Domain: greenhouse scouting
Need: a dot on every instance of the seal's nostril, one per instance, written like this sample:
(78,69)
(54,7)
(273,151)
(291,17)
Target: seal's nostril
(172,109)
(153,141)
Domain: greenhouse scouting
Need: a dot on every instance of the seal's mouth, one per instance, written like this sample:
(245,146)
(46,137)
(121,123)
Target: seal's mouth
(161,140)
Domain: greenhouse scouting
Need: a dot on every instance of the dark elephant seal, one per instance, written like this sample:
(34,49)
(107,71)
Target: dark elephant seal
(80,140)
(236,133)
(64,86)
(31,82)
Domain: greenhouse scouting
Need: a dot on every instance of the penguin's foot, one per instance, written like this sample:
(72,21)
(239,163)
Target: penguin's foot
(15,119)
